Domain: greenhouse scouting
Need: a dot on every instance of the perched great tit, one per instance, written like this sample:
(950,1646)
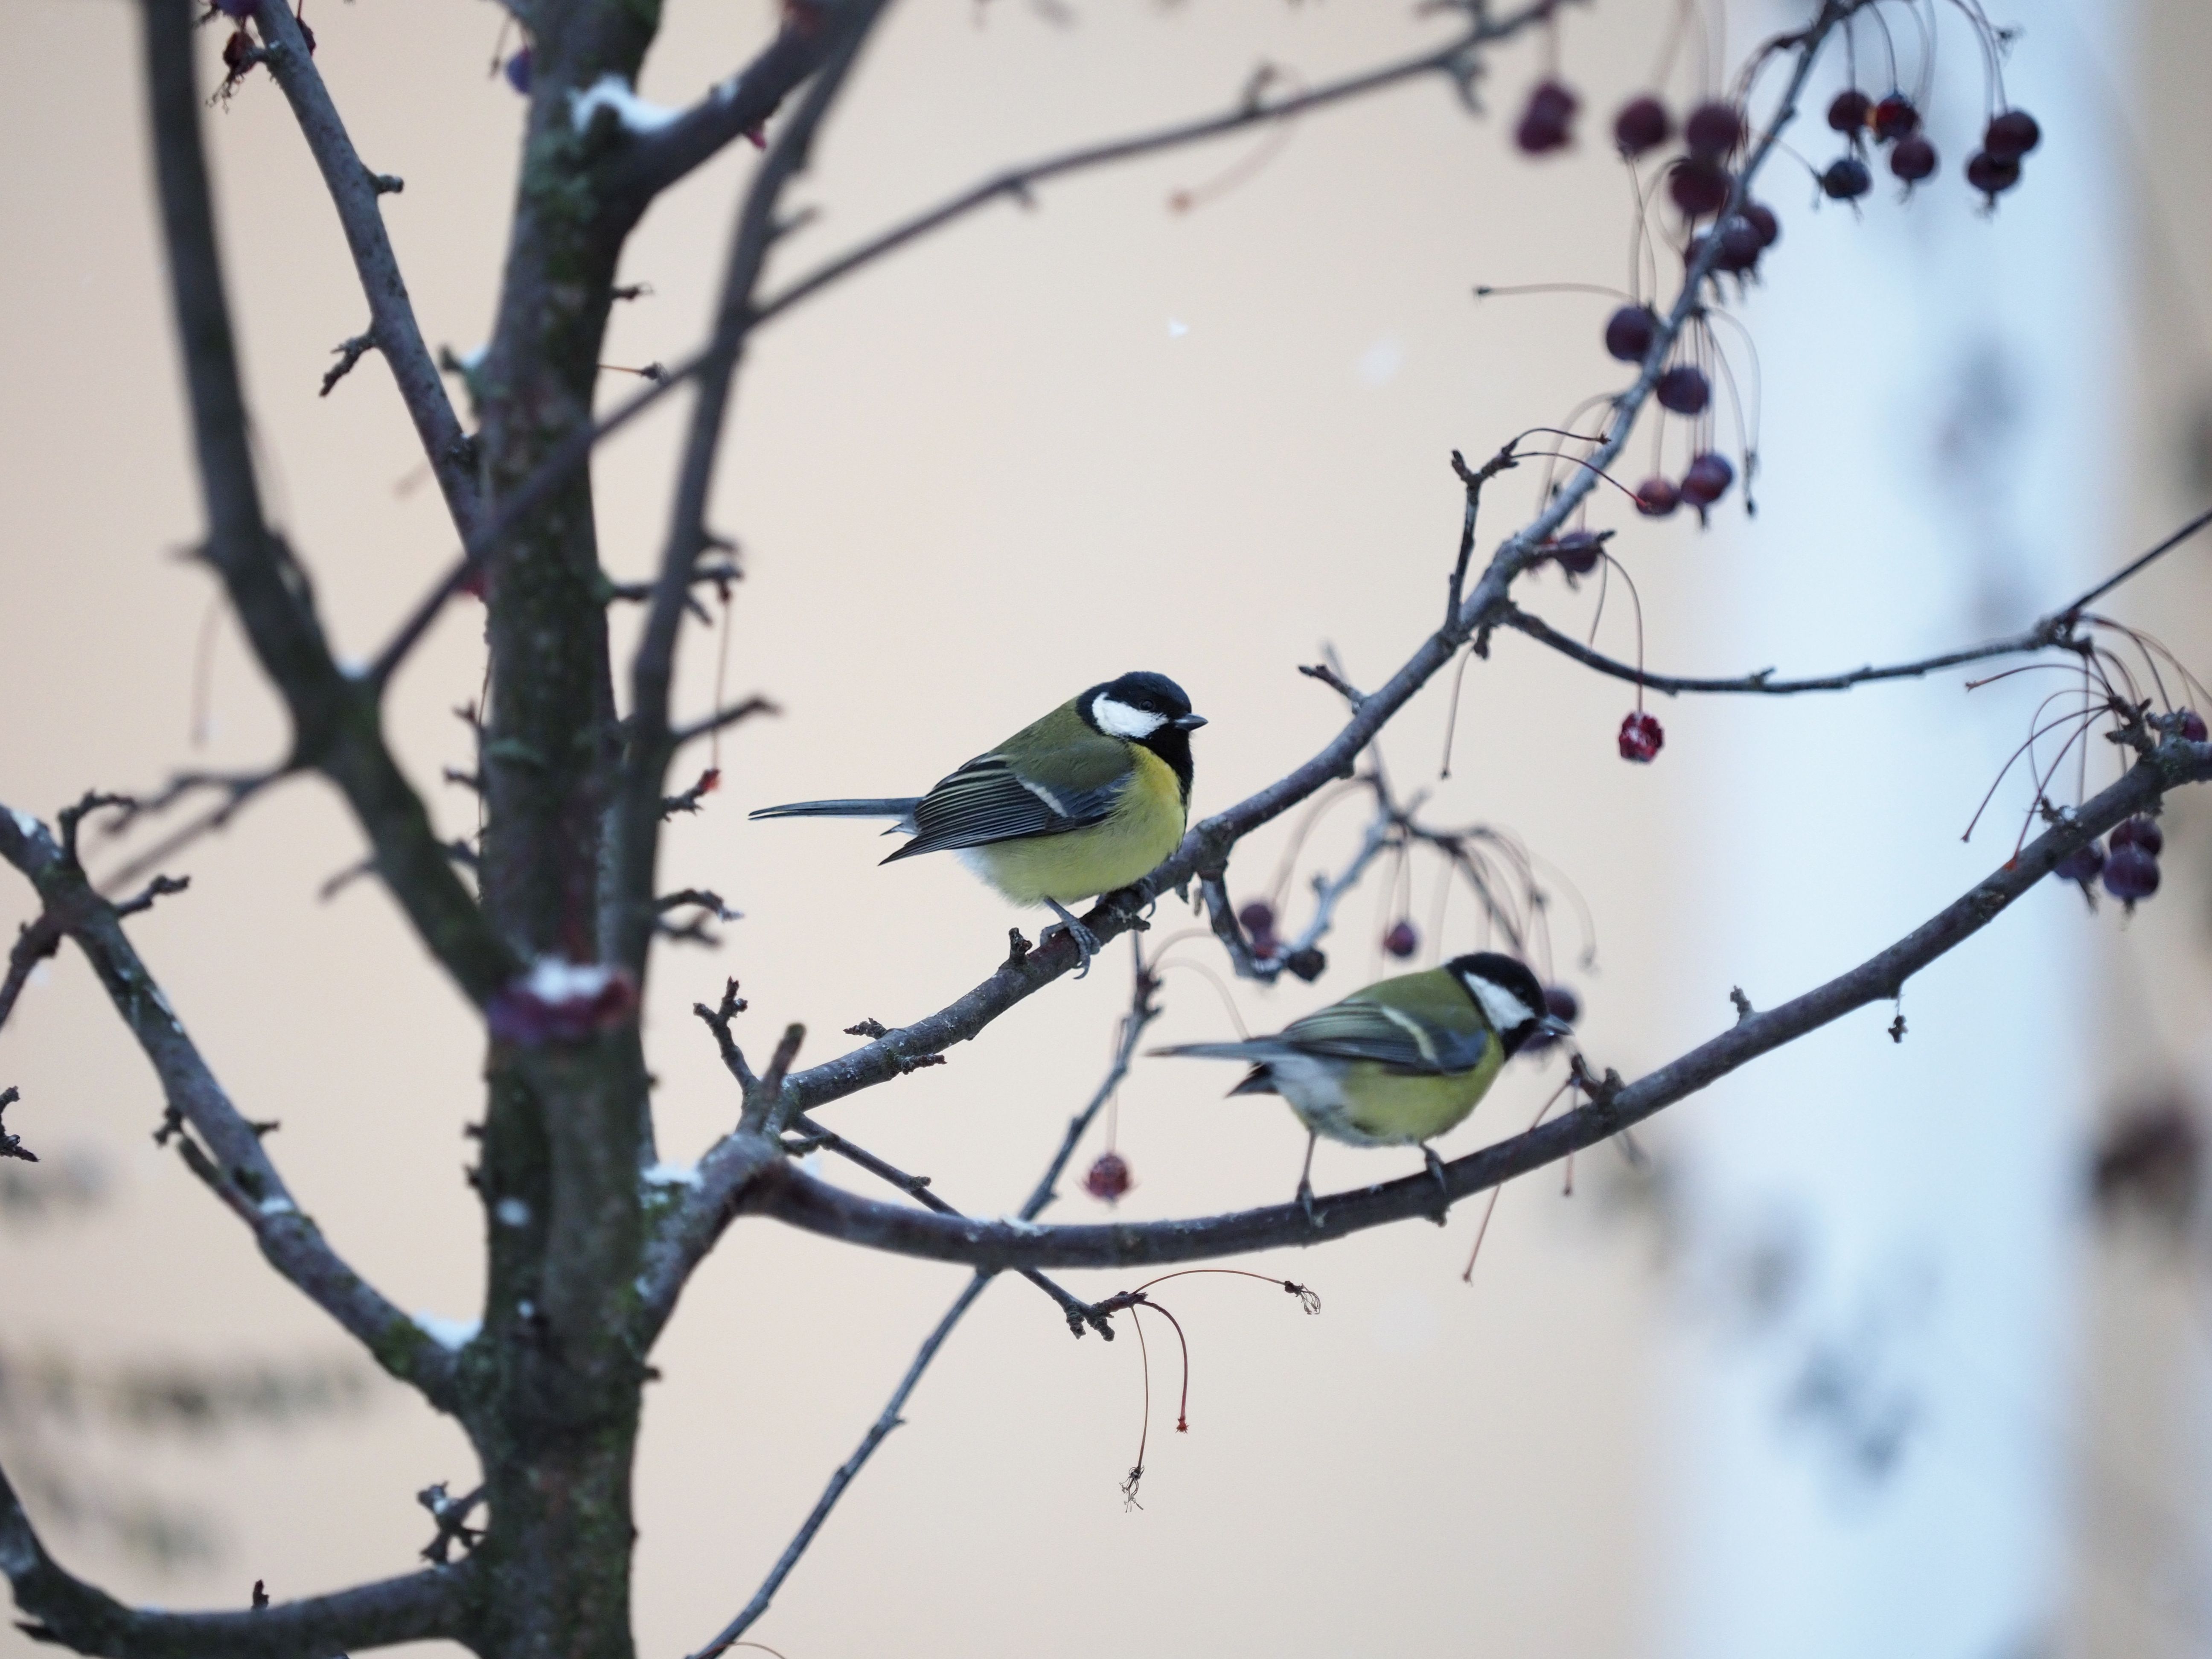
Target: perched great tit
(1077,804)
(1398,1063)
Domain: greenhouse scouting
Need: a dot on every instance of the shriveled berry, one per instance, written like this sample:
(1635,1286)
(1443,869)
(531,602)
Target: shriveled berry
(1577,552)
(1914,159)
(238,54)
(1640,737)
(307,34)
(1713,130)
(1402,941)
(1643,125)
(2011,135)
(1629,333)
(1761,218)
(517,71)
(1108,1178)
(1990,174)
(1894,117)
(1656,497)
(2131,873)
(2188,724)
(1308,964)
(2083,864)
(1697,186)
(1258,917)
(1683,389)
(1707,479)
(1846,178)
(1848,112)
(1547,123)
(2140,831)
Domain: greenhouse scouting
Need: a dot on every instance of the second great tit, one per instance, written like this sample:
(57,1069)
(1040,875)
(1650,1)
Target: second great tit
(1398,1063)
(1077,804)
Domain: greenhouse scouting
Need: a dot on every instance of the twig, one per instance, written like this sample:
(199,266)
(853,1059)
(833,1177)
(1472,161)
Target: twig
(12,1145)
(877,1431)
(349,352)
(393,331)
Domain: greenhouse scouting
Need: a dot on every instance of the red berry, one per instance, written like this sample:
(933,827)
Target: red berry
(1713,130)
(238,53)
(1894,117)
(2011,135)
(1761,218)
(1577,551)
(1848,112)
(1846,178)
(2188,724)
(1698,186)
(1656,497)
(1258,917)
(2140,831)
(2131,873)
(1402,941)
(1708,479)
(2083,864)
(517,71)
(1547,123)
(1629,333)
(1642,125)
(1992,175)
(1108,1178)
(1640,737)
(1683,389)
(1914,159)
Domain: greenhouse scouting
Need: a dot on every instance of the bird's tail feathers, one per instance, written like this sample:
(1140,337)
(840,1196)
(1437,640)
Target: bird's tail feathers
(894,807)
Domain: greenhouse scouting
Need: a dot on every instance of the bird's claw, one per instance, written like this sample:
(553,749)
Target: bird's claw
(1087,944)
(1443,1187)
(1306,1202)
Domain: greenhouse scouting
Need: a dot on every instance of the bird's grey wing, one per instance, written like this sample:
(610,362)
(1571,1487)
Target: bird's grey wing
(988,800)
(1390,1036)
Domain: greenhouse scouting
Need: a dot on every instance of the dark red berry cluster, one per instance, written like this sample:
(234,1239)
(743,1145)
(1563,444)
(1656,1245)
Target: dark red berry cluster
(1894,122)
(2129,868)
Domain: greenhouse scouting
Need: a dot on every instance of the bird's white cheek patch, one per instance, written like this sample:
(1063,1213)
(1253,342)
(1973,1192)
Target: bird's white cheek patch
(1506,1011)
(1123,721)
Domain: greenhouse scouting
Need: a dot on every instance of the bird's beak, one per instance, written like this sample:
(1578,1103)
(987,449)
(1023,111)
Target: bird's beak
(1188,722)
(1554,1026)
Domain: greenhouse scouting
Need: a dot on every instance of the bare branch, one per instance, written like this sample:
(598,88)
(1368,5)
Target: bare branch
(393,331)
(778,1190)
(335,718)
(229,1154)
(72,1613)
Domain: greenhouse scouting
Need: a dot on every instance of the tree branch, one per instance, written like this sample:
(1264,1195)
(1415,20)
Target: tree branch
(72,1613)
(778,1190)
(393,331)
(731,109)
(335,718)
(228,1155)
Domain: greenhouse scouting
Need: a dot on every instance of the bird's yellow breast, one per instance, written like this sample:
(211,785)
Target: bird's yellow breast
(1368,1104)
(1144,826)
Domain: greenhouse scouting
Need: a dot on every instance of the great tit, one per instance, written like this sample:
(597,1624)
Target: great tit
(1079,803)
(1398,1063)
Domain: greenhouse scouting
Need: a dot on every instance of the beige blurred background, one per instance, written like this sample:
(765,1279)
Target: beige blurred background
(1037,451)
